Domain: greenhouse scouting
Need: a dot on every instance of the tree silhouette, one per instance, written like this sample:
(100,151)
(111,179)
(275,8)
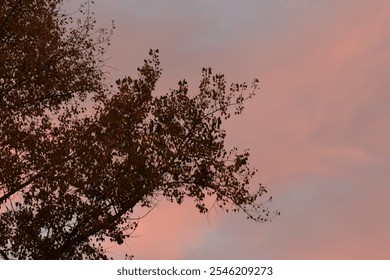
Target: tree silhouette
(70,178)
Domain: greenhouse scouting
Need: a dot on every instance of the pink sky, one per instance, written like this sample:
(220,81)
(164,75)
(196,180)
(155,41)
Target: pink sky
(318,130)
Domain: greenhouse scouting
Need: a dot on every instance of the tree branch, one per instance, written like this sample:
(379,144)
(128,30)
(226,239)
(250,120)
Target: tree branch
(4,255)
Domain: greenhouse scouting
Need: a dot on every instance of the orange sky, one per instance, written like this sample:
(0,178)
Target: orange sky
(318,130)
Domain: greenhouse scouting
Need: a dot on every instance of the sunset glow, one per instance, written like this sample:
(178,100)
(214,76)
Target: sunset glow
(318,130)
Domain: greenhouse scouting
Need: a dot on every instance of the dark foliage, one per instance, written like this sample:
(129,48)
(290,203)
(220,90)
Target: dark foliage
(70,178)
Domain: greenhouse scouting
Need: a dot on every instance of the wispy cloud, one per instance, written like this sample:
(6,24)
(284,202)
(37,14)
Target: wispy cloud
(318,130)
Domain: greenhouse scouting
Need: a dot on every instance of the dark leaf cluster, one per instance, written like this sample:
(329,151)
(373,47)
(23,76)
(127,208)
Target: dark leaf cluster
(70,178)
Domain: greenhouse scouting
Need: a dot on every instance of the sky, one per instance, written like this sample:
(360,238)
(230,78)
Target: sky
(318,130)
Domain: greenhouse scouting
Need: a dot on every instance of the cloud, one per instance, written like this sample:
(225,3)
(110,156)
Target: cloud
(318,130)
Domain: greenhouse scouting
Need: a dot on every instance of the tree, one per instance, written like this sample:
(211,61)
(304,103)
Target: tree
(70,178)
